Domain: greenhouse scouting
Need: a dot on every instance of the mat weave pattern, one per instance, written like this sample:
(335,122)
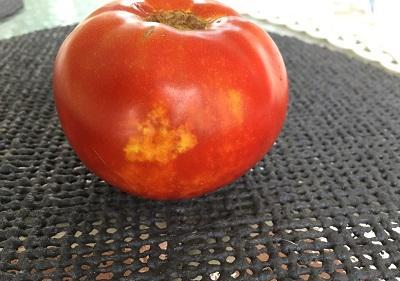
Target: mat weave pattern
(9,7)
(324,204)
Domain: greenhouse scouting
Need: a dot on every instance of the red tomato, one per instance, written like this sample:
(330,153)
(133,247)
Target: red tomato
(169,99)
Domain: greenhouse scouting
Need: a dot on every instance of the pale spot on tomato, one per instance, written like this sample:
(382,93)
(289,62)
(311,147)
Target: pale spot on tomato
(157,141)
(186,141)
(236,104)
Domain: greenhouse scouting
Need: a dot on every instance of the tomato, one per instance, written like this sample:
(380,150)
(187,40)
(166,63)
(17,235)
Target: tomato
(169,99)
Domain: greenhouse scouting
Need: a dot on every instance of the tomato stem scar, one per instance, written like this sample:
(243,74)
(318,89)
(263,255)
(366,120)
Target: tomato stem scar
(179,19)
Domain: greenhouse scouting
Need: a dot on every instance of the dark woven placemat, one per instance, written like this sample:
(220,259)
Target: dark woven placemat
(323,205)
(9,7)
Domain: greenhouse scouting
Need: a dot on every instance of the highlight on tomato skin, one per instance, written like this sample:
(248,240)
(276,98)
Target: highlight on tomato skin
(169,99)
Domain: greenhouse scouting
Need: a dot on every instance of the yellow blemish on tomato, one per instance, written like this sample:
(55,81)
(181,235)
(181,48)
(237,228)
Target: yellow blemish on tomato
(236,104)
(157,141)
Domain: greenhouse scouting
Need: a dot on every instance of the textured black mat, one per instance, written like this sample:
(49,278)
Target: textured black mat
(323,205)
(9,7)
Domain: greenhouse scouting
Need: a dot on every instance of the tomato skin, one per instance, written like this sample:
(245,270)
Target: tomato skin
(168,114)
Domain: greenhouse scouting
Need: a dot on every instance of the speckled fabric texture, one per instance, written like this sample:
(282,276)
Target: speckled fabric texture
(324,204)
(9,7)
